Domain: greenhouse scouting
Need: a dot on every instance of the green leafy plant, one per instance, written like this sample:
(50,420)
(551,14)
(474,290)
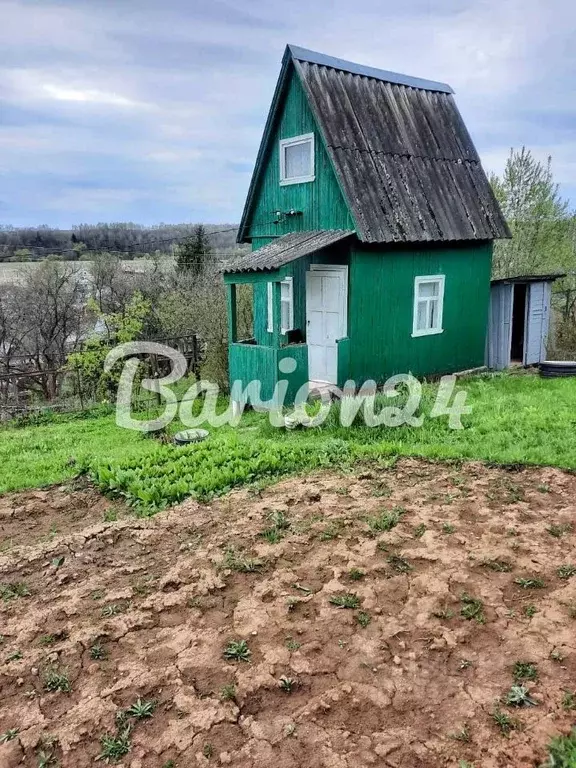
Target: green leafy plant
(525,670)
(208,750)
(560,529)
(114,746)
(562,752)
(505,723)
(237,650)
(472,608)
(238,561)
(400,564)
(529,611)
(533,582)
(292,644)
(566,571)
(569,700)
(228,692)
(345,600)
(419,531)
(519,696)
(363,619)
(385,521)
(13,590)
(56,681)
(463,734)
(9,735)
(500,566)
(287,684)
(354,574)
(141,709)
(448,528)
(98,652)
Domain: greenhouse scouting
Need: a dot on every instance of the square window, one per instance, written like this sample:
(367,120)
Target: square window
(286,306)
(297,159)
(428,305)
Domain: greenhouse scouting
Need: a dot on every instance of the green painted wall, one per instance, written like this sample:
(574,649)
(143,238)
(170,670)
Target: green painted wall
(381,299)
(250,362)
(320,200)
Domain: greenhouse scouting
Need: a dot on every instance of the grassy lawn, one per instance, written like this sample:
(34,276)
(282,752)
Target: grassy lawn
(515,419)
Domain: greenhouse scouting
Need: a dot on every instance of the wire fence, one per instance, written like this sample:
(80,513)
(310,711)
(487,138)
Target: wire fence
(25,392)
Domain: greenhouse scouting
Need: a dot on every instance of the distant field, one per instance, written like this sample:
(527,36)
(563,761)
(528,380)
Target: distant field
(9,271)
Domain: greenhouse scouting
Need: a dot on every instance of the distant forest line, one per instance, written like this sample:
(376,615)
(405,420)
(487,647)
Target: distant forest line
(128,240)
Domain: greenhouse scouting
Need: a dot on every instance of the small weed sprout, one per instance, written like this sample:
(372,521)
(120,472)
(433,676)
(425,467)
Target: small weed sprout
(237,650)
(13,591)
(560,529)
(569,701)
(98,652)
(292,644)
(9,735)
(472,608)
(533,582)
(363,619)
(237,561)
(115,746)
(462,735)
(111,610)
(400,564)
(385,521)
(354,574)
(140,710)
(566,571)
(448,528)
(14,656)
(287,684)
(525,670)
(419,531)
(228,692)
(505,723)
(500,566)
(345,600)
(519,696)
(529,611)
(208,750)
(56,681)
(557,655)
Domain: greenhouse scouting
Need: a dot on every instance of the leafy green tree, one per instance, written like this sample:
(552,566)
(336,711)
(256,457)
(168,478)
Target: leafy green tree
(194,253)
(538,217)
(118,328)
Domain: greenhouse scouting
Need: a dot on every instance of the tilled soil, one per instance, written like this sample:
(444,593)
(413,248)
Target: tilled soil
(143,609)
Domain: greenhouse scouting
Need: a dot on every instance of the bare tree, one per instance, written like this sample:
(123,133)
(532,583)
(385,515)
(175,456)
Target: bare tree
(53,297)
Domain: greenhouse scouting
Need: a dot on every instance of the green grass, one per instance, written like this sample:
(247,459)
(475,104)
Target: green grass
(562,752)
(515,419)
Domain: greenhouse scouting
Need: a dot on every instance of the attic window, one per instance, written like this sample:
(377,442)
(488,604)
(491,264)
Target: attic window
(297,159)
(428,305)
(286,306)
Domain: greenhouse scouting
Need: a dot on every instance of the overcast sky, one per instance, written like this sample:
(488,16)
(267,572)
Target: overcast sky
(152,110)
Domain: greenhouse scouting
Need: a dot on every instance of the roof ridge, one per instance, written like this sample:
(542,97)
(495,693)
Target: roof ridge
(314,57)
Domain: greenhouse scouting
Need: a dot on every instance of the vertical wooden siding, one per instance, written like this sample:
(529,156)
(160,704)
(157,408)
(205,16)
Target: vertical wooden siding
(381,311)
(320,201)
(250,362)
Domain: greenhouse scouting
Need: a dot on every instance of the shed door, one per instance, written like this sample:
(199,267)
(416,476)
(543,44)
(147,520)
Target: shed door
(537,321)
(325,321)
(499,337)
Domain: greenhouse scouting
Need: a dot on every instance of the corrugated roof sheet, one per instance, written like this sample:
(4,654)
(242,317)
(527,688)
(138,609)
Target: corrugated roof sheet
(286,249)
(303,54)
(403,156)
(530,278)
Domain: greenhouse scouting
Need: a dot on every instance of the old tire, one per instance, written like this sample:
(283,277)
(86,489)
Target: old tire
(551,369)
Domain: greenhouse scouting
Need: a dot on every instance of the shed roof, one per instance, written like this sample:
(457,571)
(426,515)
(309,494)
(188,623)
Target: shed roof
(286,249)
(402,155)
(530,278)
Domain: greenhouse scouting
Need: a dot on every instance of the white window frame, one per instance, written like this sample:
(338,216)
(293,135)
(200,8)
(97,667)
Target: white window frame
(302,139)
(440,279)
(270,326)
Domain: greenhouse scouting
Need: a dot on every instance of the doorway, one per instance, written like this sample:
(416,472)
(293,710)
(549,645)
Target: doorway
(326,320)
(518,323)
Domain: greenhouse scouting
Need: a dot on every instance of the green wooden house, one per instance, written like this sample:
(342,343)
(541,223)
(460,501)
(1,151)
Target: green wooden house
(371,223)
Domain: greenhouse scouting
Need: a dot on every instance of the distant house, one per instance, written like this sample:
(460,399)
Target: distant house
(371,223)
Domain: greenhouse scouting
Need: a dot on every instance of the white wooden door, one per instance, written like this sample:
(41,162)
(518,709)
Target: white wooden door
(499,326)
(537,321)
(326,321)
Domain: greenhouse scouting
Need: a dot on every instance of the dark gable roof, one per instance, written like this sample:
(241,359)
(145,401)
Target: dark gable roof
(402,155)
(286,249)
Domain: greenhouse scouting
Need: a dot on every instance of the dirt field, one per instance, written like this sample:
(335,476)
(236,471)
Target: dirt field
(408,676)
